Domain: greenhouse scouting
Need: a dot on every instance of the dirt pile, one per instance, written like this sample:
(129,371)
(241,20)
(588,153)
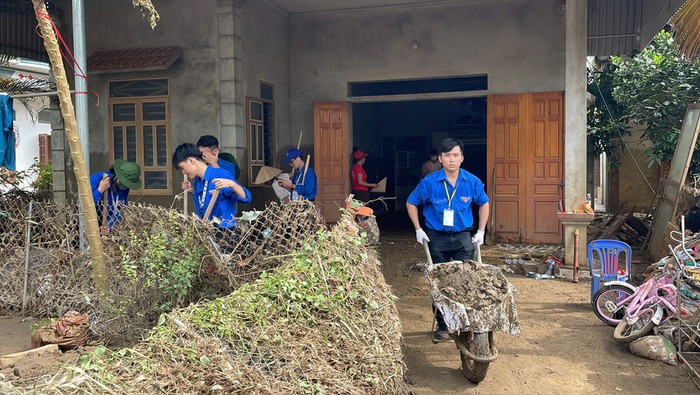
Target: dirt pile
(323,322)
(473,297)
(471,285)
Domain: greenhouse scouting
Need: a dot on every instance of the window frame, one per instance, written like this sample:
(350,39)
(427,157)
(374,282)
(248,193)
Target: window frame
(249,122)
(44,148)
(139,123)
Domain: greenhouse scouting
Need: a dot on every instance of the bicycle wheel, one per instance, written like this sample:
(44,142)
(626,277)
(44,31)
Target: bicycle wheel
(606,303)
(627,333)
(477,344)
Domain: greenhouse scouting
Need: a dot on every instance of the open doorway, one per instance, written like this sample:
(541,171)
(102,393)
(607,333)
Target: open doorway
(399,135)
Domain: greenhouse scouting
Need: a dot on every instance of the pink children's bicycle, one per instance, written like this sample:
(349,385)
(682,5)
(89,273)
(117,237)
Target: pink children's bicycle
(655,301)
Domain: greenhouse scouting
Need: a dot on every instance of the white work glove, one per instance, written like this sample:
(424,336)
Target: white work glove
(478,238)
(420,236)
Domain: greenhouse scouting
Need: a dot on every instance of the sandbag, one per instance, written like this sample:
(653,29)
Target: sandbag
(658,348)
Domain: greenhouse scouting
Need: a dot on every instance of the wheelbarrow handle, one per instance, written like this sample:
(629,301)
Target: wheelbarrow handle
(427,252)
(477,252)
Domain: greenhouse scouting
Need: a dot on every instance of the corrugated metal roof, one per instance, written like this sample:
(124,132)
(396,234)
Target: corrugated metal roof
(622,27)
(139,59)
(18,31)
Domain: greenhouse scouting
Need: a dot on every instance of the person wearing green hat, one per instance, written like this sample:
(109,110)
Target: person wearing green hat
(114,185)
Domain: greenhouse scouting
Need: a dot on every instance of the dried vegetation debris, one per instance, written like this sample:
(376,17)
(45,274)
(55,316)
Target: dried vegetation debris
(324,321)
(160,257)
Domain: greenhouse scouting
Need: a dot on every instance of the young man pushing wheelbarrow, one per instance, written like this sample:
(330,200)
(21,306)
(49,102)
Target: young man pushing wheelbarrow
(446,196)
(471,300)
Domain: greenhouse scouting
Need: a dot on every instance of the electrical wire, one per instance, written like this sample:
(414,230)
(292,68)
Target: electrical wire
(622,139)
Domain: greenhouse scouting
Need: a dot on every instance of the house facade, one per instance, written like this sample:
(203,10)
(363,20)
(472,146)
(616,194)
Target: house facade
(392,77)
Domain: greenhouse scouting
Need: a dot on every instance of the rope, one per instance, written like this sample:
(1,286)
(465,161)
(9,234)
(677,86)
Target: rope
(70,59)
(622,139)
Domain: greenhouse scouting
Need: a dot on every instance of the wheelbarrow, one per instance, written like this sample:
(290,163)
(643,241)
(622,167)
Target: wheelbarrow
(473,309)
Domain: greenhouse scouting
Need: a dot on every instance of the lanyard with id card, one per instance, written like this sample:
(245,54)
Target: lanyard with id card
(448,216)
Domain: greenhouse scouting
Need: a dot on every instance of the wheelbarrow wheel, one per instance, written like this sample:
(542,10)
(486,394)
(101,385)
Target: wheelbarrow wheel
(477,344)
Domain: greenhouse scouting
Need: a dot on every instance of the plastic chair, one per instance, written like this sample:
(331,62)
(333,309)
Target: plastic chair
(608,252)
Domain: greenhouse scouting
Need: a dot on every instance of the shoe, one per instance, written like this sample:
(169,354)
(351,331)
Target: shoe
(440,336)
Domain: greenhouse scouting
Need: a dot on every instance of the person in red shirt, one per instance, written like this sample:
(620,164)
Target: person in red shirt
(360,186)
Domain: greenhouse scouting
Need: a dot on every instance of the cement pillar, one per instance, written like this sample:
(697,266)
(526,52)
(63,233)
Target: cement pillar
(575,126)
(232,115)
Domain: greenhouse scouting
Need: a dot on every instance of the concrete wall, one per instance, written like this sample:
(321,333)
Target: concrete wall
(312,57)
(265,58)
(194,83)
(29,128)
(633,189)
(511,41)
(194,78)
(27,121)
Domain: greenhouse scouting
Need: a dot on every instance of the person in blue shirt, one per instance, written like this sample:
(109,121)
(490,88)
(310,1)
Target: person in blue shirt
(115,184)
(446,196)
(188,159)
(302,187)
(209,147)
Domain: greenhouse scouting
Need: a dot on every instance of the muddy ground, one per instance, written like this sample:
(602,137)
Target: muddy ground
(563,348)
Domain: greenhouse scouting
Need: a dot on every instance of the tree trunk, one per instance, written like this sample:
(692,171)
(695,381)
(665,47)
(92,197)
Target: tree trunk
(99,268)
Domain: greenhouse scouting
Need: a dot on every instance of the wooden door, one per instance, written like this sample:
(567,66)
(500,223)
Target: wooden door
(503,138)
(524,146)
(544,147)
(332,157)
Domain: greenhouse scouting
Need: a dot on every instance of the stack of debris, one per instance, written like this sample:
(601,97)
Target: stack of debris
(630,227)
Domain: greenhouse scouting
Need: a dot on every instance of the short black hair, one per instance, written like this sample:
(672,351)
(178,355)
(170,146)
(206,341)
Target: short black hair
(208,141)
(433,152)
(448,145)
(185,151)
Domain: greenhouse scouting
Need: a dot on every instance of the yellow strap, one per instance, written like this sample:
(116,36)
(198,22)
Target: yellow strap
(449,198)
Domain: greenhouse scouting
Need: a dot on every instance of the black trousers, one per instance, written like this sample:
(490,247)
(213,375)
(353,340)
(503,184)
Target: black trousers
(362,196)
(446,247)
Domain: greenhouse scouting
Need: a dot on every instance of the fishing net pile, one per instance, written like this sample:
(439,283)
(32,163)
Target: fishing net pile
(158,259)
(323,322)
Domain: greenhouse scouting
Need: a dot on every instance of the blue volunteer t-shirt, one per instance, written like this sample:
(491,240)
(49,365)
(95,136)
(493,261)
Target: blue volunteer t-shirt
(308,188)
(225,205)
(228,166)
(434,193)
(115,198)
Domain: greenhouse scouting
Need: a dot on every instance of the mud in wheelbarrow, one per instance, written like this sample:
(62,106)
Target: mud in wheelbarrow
(475,300)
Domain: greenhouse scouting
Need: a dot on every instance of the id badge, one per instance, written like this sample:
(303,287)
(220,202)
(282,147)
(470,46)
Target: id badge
(448,217)
(295,196)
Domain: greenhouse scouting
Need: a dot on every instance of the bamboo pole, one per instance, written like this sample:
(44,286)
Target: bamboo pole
(184,195)
(99,268)
(210,207)
(299,142)
(306,168)
(27,251)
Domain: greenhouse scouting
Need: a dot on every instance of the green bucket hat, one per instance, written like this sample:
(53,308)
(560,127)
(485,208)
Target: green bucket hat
(128,173)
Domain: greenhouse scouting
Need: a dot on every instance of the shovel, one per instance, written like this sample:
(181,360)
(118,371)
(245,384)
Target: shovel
(427,252)
(430,263)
